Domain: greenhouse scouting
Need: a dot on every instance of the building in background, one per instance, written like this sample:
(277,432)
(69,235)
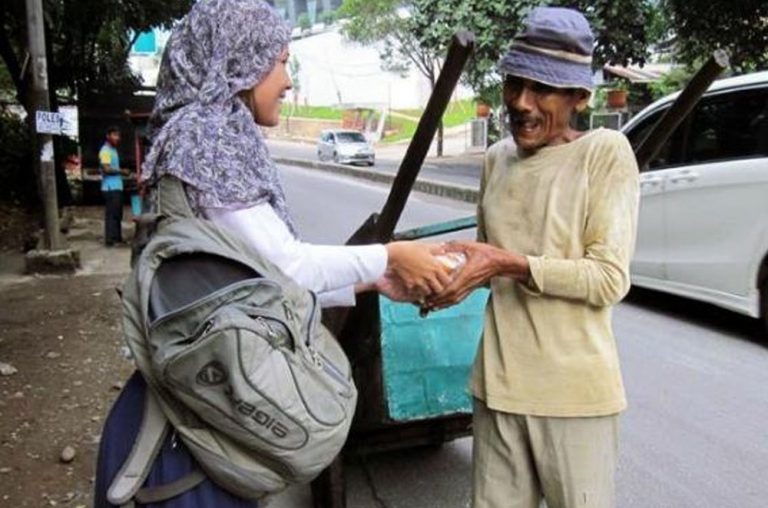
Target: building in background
(146,53)
(293,9)
(332,71)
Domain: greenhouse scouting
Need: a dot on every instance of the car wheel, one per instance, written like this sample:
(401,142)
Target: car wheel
(335,157)
(319,155)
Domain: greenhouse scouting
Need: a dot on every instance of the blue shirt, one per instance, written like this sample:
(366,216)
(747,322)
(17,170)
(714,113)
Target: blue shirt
(108,156)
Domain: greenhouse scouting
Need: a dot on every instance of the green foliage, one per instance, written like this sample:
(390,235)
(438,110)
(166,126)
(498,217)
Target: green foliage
(304,22)
(293,68)
(7,89)
(369,21)
(599,98)
(671,82)
(619,27)
(386,22)
(88,40)
(738,26)
(618,84)
(15,158)
(328,17)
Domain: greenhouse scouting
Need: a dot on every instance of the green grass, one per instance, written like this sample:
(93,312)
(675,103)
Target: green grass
(457,113)
(404,129)
(317,112)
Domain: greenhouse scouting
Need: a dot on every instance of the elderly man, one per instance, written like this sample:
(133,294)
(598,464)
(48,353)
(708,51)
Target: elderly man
(556,227)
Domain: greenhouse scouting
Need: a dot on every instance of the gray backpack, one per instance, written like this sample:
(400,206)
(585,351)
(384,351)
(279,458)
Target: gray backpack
(236,360)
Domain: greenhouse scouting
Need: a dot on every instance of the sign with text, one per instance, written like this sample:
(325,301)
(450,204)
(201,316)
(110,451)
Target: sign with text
(49,122)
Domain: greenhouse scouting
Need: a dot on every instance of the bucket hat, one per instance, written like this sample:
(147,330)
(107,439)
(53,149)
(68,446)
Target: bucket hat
(554,48)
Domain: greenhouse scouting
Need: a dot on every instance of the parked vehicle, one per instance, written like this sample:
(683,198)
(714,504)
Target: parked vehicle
(703,226)
(345,147)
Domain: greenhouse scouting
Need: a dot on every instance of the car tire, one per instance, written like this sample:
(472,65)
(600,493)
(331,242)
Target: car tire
(319,155)
(335,157)
(369,164)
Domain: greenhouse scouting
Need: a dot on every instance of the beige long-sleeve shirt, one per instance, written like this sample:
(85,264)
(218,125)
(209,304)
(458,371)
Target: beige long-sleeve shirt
(548,348)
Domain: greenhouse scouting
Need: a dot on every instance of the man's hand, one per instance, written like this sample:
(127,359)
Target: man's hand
(483,263)
(393,288)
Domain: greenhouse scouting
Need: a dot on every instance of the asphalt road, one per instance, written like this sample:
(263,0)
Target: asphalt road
(461,170)
(696,432)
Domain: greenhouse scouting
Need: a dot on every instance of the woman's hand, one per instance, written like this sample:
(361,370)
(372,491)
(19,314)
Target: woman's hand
(483,263)
(414,265)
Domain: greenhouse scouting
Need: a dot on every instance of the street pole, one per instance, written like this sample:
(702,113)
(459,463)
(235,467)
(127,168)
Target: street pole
(44,142)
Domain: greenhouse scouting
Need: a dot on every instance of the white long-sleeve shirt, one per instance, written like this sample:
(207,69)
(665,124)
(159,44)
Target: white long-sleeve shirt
(330,271)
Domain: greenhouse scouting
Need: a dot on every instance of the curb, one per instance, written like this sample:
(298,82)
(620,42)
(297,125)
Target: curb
(432,187)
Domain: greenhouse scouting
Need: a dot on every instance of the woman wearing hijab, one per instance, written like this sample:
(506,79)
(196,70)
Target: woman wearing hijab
(223,75)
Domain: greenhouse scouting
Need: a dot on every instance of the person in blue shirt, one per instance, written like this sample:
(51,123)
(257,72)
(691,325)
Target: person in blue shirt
(112,187)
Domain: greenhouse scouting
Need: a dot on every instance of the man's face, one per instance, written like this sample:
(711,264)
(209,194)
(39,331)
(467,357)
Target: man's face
(540,114)
(113,138)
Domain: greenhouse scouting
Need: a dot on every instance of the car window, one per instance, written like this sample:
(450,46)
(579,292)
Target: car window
(667,154)
(729,126)
(350,137)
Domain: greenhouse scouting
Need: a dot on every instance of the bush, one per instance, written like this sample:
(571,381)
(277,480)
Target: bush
(304,22)
(328,17)
(673,81)
(16,172)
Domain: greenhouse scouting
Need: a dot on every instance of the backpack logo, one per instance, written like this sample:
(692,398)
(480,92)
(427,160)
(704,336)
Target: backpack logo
(212,374)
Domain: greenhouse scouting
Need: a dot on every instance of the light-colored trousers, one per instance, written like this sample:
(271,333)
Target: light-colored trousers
(520,460)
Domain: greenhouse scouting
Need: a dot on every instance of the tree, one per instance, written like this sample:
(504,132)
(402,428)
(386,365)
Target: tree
(294,68)
(738,26)
(87,43)
(619,27)
(390,25)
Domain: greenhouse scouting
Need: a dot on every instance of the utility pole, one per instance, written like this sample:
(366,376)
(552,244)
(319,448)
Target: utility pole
(39,102)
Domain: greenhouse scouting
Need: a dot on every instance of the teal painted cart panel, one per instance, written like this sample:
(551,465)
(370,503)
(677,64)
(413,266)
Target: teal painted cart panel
(426,361)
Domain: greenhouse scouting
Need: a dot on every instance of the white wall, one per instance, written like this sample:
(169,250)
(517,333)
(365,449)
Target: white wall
(331,67)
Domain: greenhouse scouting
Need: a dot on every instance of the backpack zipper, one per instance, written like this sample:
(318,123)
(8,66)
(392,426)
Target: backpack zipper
(210,297)
(318,358)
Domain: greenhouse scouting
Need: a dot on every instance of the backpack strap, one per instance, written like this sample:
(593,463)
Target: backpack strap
(172,199)
(167,491)
(168,201)
(154,427)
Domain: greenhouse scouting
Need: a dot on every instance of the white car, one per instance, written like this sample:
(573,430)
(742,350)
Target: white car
(703,226)
(345,147)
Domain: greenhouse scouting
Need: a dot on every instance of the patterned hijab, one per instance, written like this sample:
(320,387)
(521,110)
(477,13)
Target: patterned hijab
(201,131)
